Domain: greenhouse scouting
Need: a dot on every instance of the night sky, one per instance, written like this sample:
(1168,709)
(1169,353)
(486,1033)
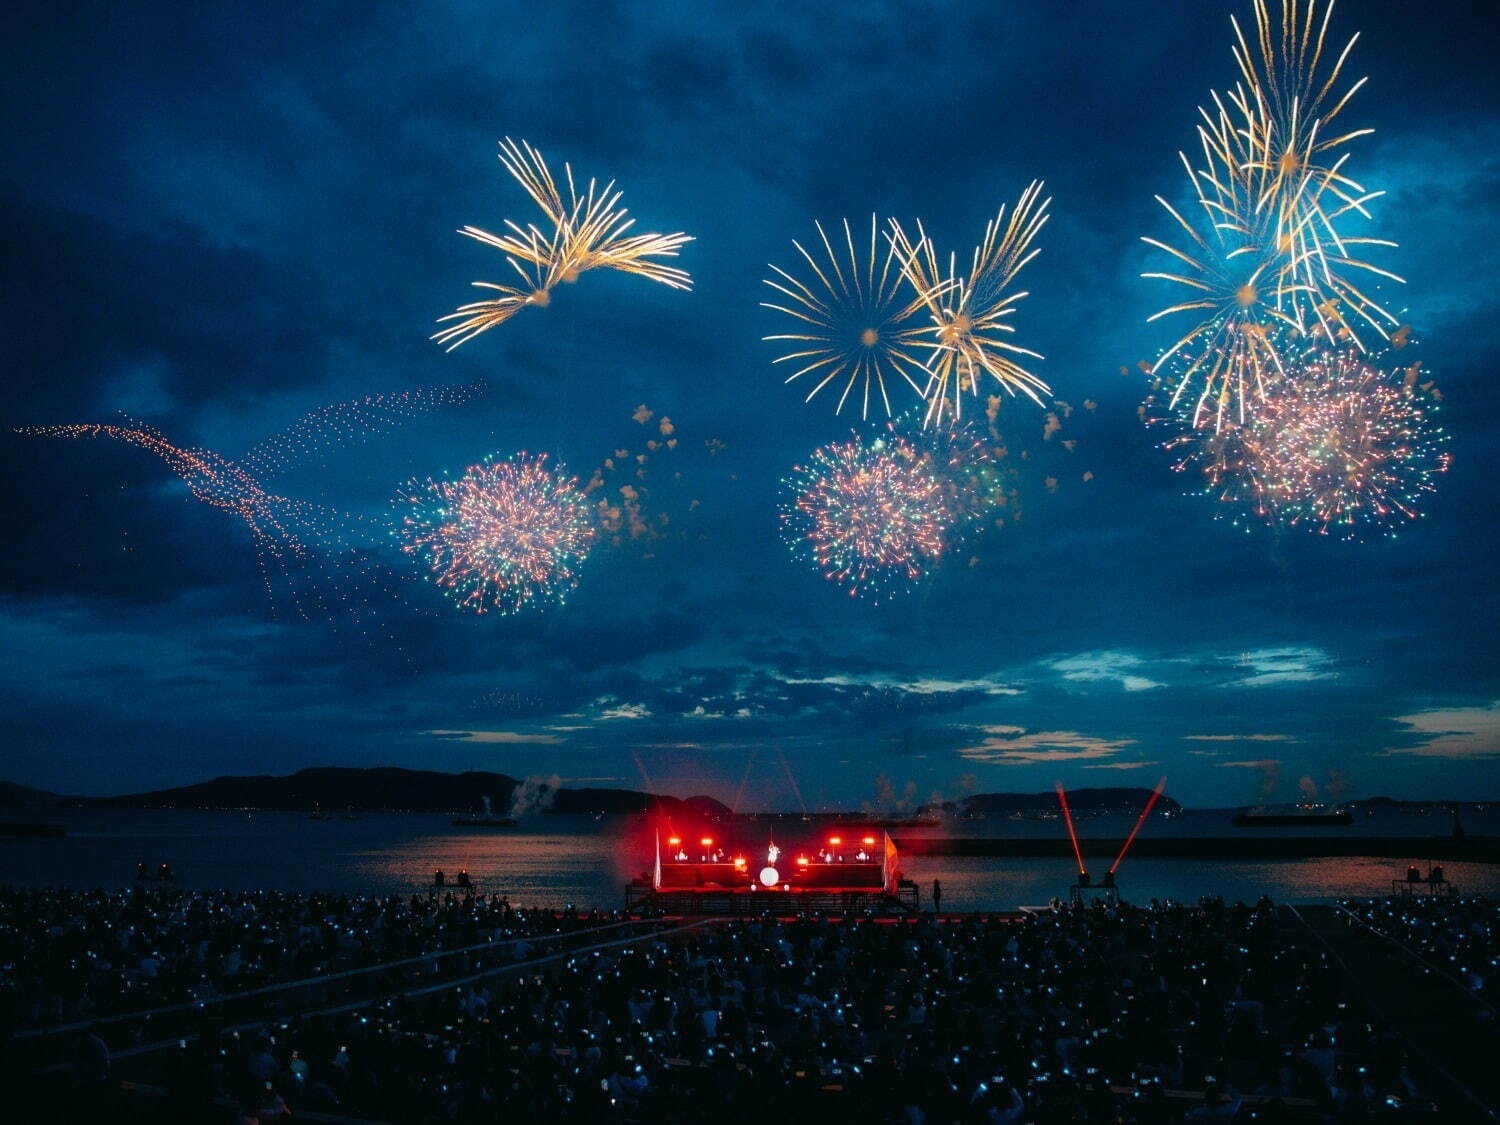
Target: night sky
(218,220)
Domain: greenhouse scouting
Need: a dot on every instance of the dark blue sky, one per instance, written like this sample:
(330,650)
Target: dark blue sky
(218,219)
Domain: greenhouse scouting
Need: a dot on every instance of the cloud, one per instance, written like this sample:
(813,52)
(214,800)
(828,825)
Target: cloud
(1116,667)
(1456,733)
(1008,745)
(1119,765)
(1288,664)
(499,737)
(1256,764)
(921,685)
(615,709)
(1237,738)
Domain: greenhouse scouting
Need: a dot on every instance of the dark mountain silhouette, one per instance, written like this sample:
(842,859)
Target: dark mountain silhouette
(380,788)
(20,796)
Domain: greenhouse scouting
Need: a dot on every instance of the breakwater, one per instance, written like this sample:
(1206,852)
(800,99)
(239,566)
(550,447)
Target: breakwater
(1251,845)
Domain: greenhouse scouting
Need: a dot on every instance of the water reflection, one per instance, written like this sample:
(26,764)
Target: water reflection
(554,860)
(1001,884)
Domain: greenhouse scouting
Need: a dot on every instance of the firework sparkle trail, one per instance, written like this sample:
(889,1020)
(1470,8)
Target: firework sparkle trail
(970,315)
(506,535)
(1266,263)
(304,550)
(855,318)
(1290,154)
(589,230)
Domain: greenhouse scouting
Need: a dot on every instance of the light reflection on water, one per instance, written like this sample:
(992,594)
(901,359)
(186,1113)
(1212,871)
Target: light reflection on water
(553,860)
(1003,884)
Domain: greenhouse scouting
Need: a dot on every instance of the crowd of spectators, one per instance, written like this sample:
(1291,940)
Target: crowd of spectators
(1154,1014)
(1457,935)
(72,956)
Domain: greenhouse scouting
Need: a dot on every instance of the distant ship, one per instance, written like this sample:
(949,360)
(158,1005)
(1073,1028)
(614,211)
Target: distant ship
(487,820)
(1293,816)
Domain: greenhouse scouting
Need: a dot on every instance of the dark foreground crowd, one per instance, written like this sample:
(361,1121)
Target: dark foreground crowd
(1456,936)
(1154,1014)
(72,956)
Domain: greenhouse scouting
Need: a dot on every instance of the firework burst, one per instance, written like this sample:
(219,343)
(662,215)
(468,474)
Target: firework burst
(1290,154)
(1239,295)
(855,319)
(972,484)
(873,516)
(508,534)
(1342,446)
(970,315)
(588,230)
(1265,262)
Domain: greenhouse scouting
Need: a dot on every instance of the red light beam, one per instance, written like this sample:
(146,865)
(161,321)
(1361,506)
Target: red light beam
(1062,797)
(1145,812)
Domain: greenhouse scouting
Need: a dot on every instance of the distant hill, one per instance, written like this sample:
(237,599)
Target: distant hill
(334,788)
(20,796)
(1109,799)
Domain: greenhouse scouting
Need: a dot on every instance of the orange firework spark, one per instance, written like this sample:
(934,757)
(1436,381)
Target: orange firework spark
(970,314)
(856,324)
(589,230)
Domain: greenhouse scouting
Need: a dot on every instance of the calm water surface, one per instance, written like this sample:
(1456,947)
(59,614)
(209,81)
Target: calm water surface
(554,860)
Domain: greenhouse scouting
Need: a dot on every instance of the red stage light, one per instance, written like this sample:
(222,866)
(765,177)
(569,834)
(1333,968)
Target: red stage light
(739,861)
(674,840)
(869,840)
(835,841)
(801,861)
(707,841)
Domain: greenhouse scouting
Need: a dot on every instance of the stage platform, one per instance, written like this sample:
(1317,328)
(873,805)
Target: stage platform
(851,870)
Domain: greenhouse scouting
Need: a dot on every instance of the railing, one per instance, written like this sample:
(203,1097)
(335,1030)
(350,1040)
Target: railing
(723,902)
(274,1000)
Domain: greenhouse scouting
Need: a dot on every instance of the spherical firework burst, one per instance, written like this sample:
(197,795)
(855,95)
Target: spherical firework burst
(506,535)
(1342,446)
(872,516)
(855,319)
(972,484)
(970,315)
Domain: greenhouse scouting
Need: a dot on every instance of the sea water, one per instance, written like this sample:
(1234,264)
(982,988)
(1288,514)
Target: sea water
(556,860)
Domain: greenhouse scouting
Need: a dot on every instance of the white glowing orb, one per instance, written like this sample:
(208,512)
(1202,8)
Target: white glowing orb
(769,876)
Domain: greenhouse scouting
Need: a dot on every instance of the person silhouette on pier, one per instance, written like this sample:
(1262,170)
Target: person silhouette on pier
(937,897)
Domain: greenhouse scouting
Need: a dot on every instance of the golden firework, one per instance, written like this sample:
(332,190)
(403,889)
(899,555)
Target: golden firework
(1266,260)
(590,230)
(1238,292)
(1290,152)
(855,318)
(969,329)
(534,258)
